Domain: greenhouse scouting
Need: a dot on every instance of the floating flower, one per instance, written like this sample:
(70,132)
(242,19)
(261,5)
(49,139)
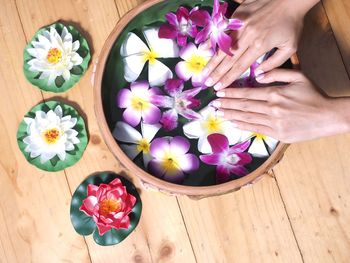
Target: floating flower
(54,55)
(137,102)
(180,102)
(215,26)
(171,160)
(195,59)
(136,53)
(247,79)
(228,160)
(258,145)
(180,26)
(210,123)
(140,142)
(109,205)
(50,134)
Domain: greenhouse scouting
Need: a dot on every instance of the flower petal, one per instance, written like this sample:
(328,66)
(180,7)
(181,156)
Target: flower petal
(156,168)
(132,116)
(167,31)
(258,148)
(174,176)
(88,205)
(152,115)
(182,71)
(189,163)
(222,174)
(169,120)
(172,19)
(203,145)
(203,35)
(193,129)
(271,143)
(244,158)
(211,159)
(130,150)
(174,86)
(149,130)
(225,42)
(200,17)
(239,170)
(133,45)
(234,24)
(133,66)
(158,73)
(181,40)
(164,48)
(179,146)
(146,159)
(188,51)
(159,146)
(125,133)
(218,142)
(102,228)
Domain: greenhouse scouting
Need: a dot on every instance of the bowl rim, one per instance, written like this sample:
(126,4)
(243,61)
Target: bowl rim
(145,177)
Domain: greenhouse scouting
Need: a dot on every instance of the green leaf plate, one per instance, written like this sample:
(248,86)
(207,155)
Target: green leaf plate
(59,85)
(84,225)
(55,164)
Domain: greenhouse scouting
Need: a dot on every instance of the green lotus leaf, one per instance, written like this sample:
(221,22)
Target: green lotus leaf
(84,225)
(72,157)
(59,85)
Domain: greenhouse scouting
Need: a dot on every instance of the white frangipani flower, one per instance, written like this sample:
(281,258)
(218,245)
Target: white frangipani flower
(257,147)
(136,53)
(50,134)
(139,142)
(210,123)
(54,55)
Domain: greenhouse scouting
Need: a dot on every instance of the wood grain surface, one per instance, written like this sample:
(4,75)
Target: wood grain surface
(299,214)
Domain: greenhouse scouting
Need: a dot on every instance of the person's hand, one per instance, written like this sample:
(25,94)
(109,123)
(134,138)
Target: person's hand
(293,112)
(267,24)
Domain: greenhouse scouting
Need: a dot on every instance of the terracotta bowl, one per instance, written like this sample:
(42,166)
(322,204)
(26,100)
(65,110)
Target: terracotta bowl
(104,97)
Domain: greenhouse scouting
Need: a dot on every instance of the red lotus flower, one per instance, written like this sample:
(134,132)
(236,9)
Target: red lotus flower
(109,205)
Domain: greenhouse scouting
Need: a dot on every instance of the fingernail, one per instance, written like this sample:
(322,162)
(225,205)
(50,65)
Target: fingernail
(220,113)
(209,82)
(260,77)
(259,72)
(217,104)
(218,86)
(220,94)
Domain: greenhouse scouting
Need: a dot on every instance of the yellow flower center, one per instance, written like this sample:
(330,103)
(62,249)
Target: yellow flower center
(196,64)
(212,124)
(139,103)
(150,56)
(169,163)
(259,136)
(54,55)
(143,146)
(51,136)
(108,206)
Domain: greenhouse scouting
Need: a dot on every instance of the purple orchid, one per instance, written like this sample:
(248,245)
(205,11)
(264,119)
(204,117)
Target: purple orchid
(179,102)
(180,26)
(227,159)
(137,102)
(171,160)
(215,26)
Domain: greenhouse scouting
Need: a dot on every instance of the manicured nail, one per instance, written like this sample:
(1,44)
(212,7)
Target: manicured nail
(259,77)
(220,113)
(259,72)
(209,82)
(217,104)
(218,86)
(220,94)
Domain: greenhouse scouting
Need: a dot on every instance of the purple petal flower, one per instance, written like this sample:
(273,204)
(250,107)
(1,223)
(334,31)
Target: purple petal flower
(171,160)
(137,103)
(169,120)
(180,26)
(227,159)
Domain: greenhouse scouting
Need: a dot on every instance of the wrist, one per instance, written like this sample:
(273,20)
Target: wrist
(300,7)
(340,114)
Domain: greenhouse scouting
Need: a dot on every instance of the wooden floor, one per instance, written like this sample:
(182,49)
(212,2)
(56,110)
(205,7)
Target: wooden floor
(301,214)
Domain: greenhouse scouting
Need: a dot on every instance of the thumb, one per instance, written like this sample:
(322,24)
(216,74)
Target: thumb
(280,75)
(276,60)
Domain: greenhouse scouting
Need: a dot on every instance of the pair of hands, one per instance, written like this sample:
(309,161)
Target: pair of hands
(293,112)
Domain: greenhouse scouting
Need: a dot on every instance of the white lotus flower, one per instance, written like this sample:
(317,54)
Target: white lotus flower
(136,53)
(210,123)
(54,55)
(50,134)
(140,142)
(257,147)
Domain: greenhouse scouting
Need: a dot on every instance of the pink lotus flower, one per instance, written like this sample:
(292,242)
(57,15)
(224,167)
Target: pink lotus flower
(215,26)
(227,160)
(109,205)
(171,160)
(138,105)
(180,26)
(179,102)
(194,61)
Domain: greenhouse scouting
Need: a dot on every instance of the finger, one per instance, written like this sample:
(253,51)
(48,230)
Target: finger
(281,75)
(261,93)
(238,68)
(257,128)
(211,65)
(255,106)
(250,117)
(276,60)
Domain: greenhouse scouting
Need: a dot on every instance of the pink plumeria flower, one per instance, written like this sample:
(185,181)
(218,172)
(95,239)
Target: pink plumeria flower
(171,159)
(215,27)
(261,146)
(180,26)
(179,102)
(210,122)
(137,102)
(195,59)
(136,53)
(228,160)
(137,142)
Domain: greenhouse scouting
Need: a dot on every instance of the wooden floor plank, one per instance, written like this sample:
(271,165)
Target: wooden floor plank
(34,204)
(125,6)
(161,235)
(314,177)
(338,13)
